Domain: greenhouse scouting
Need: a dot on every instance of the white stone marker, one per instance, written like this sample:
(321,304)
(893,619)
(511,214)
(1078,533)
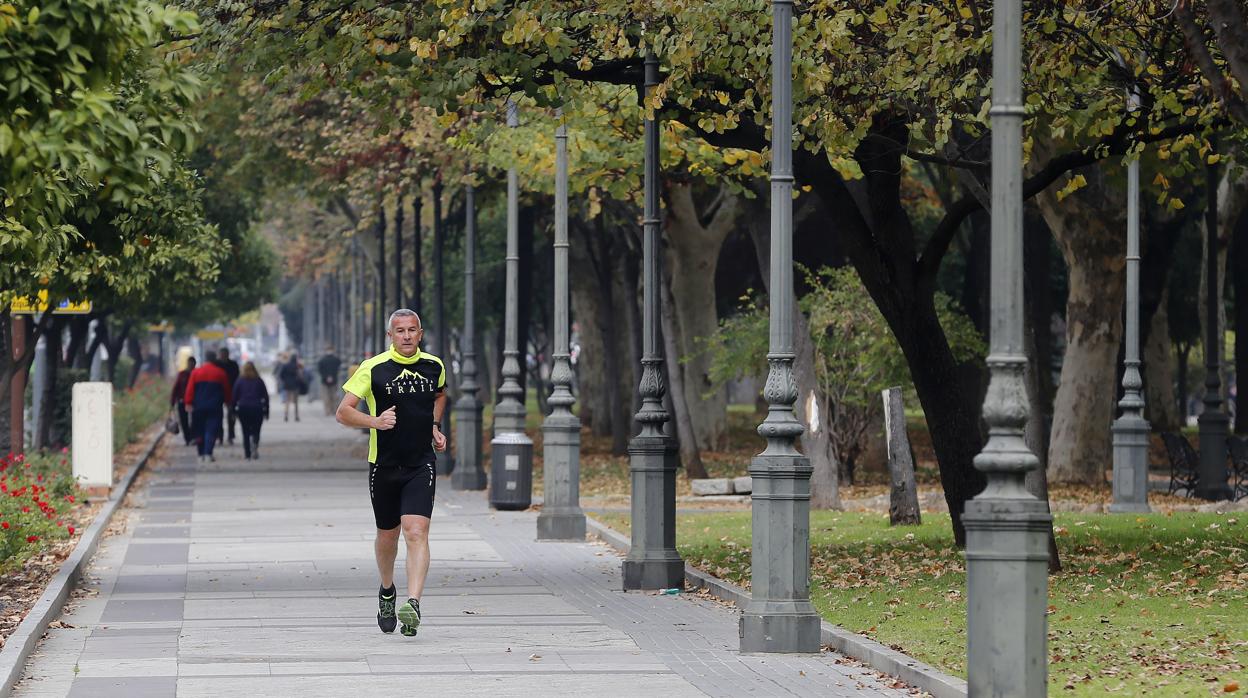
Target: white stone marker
(93,434)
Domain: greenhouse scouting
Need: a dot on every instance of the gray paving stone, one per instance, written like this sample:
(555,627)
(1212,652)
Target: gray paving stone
(156,553)
(162,531)
(150,584)
(133,610)
(166,517)
(125,687)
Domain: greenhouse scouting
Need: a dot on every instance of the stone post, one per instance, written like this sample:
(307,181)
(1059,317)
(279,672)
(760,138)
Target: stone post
(1131,430)
(1006,526)
(561,517)
(779,616)
(511,459)
(469,475)
(652,562)
(1213,422)
(92,434)
(446,459)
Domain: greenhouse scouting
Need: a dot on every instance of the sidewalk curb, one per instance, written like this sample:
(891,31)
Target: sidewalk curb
(875,655)
(20,645)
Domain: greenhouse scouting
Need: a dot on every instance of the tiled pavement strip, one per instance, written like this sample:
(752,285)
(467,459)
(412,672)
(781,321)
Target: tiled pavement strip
(257,579)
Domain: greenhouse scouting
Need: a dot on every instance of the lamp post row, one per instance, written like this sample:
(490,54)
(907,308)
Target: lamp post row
(1007,527)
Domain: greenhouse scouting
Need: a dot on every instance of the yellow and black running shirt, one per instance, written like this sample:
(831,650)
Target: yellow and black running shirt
(410,384)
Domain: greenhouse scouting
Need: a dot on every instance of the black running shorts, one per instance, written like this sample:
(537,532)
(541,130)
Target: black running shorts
(401,490)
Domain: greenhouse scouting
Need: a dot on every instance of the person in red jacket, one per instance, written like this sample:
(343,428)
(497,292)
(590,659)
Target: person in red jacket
(208,391)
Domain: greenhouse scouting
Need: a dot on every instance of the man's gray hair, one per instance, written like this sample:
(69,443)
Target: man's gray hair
(402,312)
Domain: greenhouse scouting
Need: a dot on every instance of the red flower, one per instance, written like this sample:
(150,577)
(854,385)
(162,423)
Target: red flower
(25,510)
(5,525)
(31,539)
(71,530)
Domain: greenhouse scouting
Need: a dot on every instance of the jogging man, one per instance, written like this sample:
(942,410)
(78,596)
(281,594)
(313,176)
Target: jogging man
(403,388)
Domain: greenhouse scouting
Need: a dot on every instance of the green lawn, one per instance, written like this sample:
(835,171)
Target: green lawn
(1154,604)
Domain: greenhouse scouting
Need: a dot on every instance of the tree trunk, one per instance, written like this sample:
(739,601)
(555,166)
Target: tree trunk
(8,368)
(78,327)
(591,315)
(692,256)
(690,454)
(11,365)
(1232,200)
(976,278)
(953,415)
(527,224)
(114,346)
(878,238)
(45,436)
(1239,282)
(903,505)
(1090,228)
(1184,351)
(135,352)
(1160,403)
(1037,432)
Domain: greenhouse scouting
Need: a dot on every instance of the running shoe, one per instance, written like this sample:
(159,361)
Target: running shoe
(409,615)
(385,610)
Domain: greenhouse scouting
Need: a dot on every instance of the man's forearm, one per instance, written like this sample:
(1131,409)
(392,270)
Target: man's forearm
(439,408)
(351,417)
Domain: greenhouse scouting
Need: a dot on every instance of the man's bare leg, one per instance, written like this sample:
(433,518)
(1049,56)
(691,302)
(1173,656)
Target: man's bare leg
(386,548)
(416,533)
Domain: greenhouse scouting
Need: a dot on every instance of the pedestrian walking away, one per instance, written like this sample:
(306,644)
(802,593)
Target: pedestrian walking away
(231,374)
(293,382)
(251,402)
(177,400)
(327,368)
(404,389)
(208,391)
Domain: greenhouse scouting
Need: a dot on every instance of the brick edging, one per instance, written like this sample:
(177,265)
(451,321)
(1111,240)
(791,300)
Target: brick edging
(875,655)
(20,645)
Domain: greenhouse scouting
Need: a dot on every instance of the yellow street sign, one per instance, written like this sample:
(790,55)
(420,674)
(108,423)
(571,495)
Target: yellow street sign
(210,334)
(24,306)
(162,327)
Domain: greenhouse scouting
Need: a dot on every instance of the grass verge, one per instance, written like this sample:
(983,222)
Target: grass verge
(1145,605)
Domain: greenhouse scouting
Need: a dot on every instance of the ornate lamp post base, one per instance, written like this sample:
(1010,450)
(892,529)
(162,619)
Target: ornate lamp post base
(469,475)
(1214,426)
(1130,465)
(653,562)
(1007,567)
(779,616)
(561,517)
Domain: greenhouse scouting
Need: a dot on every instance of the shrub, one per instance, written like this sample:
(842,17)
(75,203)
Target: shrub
(856,355)
(36,491)
(137,408)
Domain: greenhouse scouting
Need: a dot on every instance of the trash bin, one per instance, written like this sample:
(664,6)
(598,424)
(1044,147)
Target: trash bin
(511,471)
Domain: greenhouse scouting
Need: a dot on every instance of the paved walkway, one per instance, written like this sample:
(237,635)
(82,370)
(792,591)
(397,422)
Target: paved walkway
(256,579)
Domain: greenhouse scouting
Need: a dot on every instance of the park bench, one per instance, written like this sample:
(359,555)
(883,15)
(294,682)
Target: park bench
(1239,465)
(1184,462)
